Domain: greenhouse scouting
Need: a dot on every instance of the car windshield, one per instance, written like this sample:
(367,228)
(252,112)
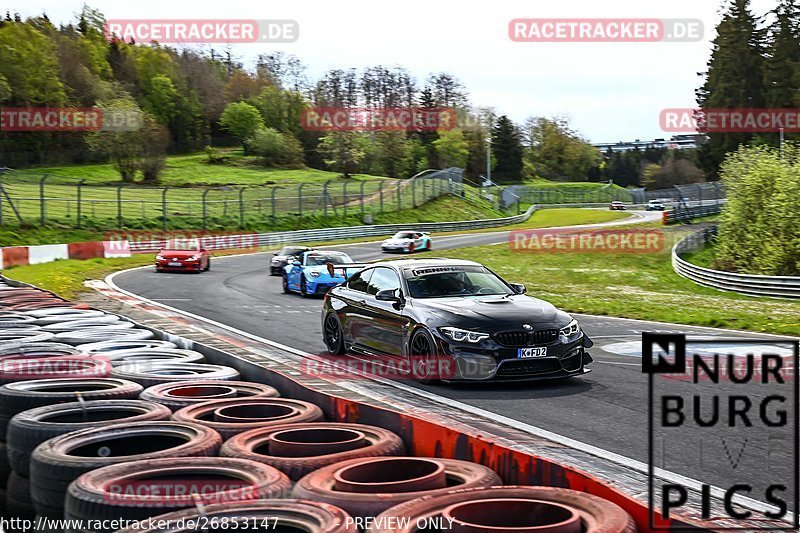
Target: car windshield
(321,259)
(443,282)
(403,235)
(292,250)
(182,244)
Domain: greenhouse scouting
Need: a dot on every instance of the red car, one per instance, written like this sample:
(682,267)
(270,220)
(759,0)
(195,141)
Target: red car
(183,255)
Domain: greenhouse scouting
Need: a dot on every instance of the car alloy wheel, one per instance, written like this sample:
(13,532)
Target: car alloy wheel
(303,286)
(411,248)
(423,356)
(285,283)
(333,335)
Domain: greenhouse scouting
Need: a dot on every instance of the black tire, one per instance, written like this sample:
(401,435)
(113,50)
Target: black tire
(415,350)
(411,248)
(101,494)
(179,395)
(5,466)
(59,461)
(30,428)
(18,497)
(208,265)
(23,395)
(303,286)
(285,283)
(333,335)
(157,372)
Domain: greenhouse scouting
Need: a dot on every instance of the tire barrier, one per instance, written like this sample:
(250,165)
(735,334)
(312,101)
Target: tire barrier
(135,491)
(156,372)
(279,515)
(368,486)
(519,509)
(18,497)
(12,320)
(37,349)
(59,461)
(11,336)
(113,346)
(62,314)
(71,325)
(23,395)
(147,355)
(237,415)
(101,333)
(32,427)
(178,395)
(68,366)
(298,449)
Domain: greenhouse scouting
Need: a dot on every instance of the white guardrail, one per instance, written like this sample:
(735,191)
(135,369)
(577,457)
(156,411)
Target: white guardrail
(223,242)
(750,284)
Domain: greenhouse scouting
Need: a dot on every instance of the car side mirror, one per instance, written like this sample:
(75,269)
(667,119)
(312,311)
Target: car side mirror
(274,253)
(518,288)
(389,295)
(297,263)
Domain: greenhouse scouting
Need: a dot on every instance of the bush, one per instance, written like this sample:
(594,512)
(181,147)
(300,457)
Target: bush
(760,226)
(275,148)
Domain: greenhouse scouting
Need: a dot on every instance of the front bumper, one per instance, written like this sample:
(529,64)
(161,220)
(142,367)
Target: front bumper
(394,248)
(184,267)
(491,361)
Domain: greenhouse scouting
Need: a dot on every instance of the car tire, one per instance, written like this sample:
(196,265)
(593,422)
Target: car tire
(334,346)
(411,248)
(208,265)
(53,467)
(200,391)
(257,445)
(303,286)
(30,428)
(18,497)
(428,246)
(152,373)
(321,485)
(285,282)
(418,336)
(23,395)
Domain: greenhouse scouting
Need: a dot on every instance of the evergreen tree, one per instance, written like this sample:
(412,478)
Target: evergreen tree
(734,78)
(506,151)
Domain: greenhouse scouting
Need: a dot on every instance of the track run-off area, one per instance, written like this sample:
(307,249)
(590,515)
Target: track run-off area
(606,409)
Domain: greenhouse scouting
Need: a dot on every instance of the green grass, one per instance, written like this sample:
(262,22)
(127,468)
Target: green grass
(704,257)
(641,286)
(541,183)
(66,277)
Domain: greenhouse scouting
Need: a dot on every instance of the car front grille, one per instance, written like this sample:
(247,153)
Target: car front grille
(526,338)
(526,367)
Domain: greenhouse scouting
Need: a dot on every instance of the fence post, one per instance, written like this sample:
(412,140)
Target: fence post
(344,197)
(413,193)
(241,207)
(205,210)
(164,209)
(79,186)
(325,199)
(399,201)
(42,206)
(380,193)
(119,206)
(300,199)
(274,190)
(361,192)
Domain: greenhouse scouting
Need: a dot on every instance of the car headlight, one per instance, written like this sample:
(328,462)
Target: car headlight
(159,257)
(463,335)
(571,329)
(313,274)
(194,258)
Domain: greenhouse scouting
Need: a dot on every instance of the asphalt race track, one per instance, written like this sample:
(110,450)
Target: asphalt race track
(606,408)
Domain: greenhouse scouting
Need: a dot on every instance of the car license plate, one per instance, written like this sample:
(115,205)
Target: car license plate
(174,264)
(524,353)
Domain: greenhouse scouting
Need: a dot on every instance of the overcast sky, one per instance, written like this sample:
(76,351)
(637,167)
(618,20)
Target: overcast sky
(611,91)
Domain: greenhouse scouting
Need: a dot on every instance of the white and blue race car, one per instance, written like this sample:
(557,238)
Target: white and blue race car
(309,274)
(408,242)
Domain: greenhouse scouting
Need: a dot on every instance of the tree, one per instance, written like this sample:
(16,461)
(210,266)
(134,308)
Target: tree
(452,149)
(507,151)
(733,79)
(342,151)
(154,138)
(554,151)
(275,148)
(394,153)
(673,170)
(29,65)
(242,120)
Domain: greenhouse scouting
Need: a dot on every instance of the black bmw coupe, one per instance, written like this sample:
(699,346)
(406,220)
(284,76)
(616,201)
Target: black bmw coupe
(428,310)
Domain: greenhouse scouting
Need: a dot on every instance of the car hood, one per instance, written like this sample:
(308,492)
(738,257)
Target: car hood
(281,257)
(179,254)
(493,312)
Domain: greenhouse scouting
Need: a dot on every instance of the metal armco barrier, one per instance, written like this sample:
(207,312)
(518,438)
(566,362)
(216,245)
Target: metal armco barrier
(226,242)
(750,284)
(681,214)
